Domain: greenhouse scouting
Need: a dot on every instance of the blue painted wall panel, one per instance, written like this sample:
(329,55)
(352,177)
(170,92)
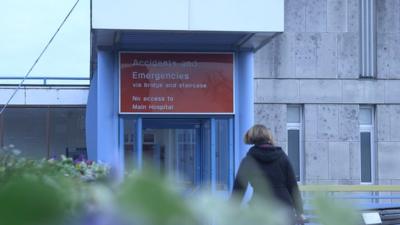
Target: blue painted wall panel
(244,117)
(91,120)
(107,113)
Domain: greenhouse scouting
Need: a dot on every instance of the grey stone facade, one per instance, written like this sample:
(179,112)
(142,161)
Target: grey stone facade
(315,64)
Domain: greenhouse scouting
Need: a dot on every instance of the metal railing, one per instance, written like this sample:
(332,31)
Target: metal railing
(362,197)
(349,188)
(44,81)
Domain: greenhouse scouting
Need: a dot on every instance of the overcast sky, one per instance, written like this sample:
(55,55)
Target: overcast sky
(26,27)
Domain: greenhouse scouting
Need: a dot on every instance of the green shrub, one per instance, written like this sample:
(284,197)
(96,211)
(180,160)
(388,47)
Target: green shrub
(41,192)
(11,164)
(58,192)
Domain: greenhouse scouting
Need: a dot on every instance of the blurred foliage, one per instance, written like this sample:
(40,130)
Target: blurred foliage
(11,164)
(149,199)
(334,212)
(61,192)
(28,200)
(44,191)
(216,210)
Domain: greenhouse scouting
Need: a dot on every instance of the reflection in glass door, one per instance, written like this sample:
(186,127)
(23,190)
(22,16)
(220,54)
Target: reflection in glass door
(186,160)
(198,152)
(175,148)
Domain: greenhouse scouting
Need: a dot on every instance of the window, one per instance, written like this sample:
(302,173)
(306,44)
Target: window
(26,129)
(368,38)
(294,134)
(66,132)
(366,120)
(45,132)
(130,144)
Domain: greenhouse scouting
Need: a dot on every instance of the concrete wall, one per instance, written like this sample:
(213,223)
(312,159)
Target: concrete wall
(274,117)
(337,91)
(315,63)
(331,143)
(320,41)
(388,39)
(388,143)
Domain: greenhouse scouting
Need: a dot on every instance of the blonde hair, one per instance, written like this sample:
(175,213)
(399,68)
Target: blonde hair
(258,134)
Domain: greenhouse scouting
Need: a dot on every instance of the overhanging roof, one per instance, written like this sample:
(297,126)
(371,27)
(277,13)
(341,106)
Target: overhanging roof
(180,40)
(184,25)
(189,15)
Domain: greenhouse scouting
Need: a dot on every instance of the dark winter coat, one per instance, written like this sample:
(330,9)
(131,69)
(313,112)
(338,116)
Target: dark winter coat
(268,170)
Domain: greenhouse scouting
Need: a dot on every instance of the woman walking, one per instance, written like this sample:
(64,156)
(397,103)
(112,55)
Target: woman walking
(268,170)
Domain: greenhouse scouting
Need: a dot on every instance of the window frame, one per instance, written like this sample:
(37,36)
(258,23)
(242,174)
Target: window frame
(368,128)
(299,127)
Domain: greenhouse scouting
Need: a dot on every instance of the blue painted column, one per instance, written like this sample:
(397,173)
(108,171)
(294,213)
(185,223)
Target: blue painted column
(102,122)
(244,117)
(91,119)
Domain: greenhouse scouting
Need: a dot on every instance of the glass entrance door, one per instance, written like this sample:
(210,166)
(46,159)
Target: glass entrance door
(179,148)
(199,152)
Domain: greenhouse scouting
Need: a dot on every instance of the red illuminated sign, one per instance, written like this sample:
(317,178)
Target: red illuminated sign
(176,83)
